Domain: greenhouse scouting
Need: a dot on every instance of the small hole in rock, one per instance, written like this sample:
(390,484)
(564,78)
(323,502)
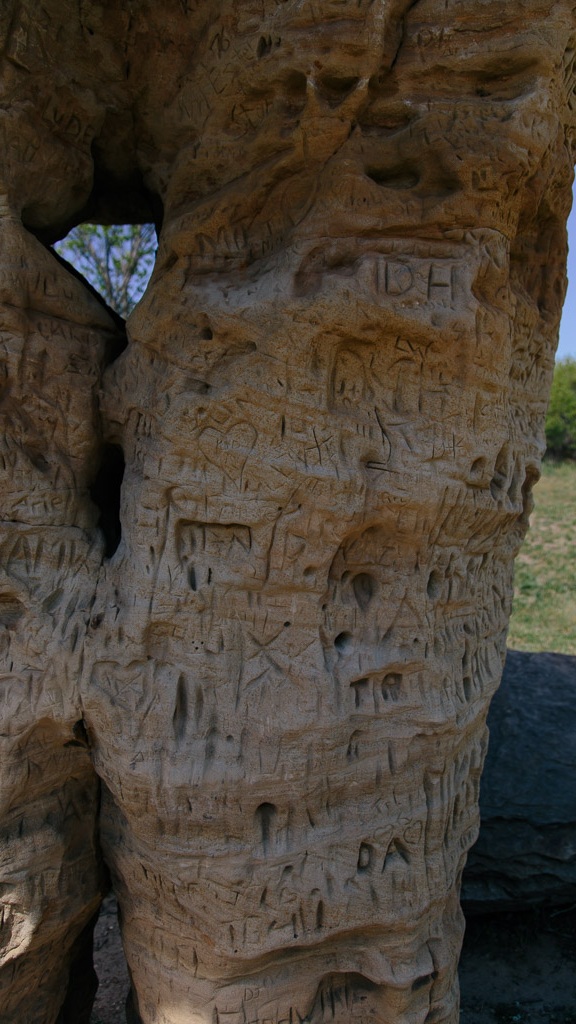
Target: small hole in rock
(400,178)
(434,586)
(334,89)
(342,641)
(425,980)
(364,857)
(359,686)
(364,588)
(320,915)
(80,733)
(265,818)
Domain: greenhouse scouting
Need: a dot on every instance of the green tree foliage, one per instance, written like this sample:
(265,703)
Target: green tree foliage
(561,417)
(116,259)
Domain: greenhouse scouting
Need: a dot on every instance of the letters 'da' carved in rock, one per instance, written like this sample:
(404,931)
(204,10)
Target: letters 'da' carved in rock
(263,705)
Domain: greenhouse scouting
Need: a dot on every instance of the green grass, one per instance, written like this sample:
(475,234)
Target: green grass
(544,614)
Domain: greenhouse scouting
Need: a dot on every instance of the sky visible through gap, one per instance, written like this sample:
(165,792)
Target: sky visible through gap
(567,344)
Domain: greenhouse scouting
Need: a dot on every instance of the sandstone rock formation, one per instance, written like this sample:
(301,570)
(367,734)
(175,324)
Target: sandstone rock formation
(274,647)
(526,850)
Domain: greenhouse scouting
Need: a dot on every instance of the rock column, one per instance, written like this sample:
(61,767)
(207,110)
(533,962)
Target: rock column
(330,411)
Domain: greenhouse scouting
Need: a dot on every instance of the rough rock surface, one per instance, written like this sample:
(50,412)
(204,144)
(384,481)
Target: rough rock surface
(526,849)
(276,645)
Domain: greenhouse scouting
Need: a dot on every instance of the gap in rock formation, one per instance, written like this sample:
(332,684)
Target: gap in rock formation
(117,197)
(105,490)
(117,343)
(114,262)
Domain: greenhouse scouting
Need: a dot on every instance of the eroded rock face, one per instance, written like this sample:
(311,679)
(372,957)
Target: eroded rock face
(330,410)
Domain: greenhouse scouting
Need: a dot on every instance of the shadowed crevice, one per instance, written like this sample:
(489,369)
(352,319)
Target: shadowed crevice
(106,493)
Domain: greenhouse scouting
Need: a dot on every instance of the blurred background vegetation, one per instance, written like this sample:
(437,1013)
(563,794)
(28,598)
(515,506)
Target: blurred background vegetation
(116,259)
(544,614)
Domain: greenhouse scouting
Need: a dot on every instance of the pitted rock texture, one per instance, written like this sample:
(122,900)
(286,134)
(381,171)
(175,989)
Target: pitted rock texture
(269,692)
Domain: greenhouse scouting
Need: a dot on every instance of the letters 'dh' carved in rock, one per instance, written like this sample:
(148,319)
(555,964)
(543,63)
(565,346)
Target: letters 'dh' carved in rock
(260,697)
